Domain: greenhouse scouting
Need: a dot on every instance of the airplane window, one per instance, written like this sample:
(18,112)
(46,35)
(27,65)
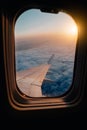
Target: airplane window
(45,46)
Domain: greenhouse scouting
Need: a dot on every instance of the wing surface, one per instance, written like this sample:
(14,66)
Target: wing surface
(30,81)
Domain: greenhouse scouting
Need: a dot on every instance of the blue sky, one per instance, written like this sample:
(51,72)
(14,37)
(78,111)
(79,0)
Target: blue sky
(35,22)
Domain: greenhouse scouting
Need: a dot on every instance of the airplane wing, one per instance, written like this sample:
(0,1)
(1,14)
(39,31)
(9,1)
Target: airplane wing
(30,81)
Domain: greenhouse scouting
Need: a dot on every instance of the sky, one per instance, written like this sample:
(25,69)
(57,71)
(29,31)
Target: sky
(34,22)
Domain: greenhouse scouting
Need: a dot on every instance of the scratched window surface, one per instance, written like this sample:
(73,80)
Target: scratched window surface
(45,46)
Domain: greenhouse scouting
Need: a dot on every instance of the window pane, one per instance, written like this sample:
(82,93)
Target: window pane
(45,46)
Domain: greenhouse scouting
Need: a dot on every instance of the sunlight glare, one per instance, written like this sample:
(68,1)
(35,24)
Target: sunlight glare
(73,30)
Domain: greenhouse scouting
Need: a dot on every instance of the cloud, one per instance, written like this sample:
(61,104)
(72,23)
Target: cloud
(60,73)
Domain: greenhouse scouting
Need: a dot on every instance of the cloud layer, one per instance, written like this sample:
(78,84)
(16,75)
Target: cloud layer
(59,77)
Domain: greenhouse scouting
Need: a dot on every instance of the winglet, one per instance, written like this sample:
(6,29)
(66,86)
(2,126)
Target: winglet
(50,59)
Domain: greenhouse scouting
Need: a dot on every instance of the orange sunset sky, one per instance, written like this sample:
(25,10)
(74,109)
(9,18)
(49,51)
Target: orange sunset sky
(33,24)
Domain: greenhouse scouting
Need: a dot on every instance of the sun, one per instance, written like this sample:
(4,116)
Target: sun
(73,30)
